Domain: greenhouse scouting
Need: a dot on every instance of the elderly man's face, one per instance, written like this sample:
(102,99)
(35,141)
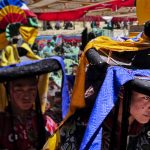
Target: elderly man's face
(23,93)
(140,107)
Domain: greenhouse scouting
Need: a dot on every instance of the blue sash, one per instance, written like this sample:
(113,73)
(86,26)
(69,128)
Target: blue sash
(65,91)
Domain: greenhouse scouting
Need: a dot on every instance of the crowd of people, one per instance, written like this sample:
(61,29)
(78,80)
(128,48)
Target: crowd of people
(69,51)
(68,25)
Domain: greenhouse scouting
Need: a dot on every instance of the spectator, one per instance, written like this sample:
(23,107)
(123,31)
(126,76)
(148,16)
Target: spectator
(47,51)
(53,88)
(57,25)
(68,25)
(93,24)
(55,111)
(48,25)
(71,77)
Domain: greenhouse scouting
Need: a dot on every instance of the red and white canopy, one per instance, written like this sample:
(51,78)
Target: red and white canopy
(73,9)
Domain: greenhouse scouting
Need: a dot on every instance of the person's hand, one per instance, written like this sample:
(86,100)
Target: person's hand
(89,92)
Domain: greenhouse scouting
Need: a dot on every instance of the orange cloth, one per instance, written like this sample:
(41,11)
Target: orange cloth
(143,10)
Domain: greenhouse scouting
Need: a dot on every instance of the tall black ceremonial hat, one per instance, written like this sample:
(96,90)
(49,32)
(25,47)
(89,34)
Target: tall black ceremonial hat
(28,68)
(141,86)
(141,60)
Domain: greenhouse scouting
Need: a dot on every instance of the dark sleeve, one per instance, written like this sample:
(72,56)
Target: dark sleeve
(140,141)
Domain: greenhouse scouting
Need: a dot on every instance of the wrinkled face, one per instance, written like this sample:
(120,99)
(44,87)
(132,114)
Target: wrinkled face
(140,107)
(23,93)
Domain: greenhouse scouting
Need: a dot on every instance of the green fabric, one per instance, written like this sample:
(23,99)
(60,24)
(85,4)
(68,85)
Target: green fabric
(12,30)
(33,22)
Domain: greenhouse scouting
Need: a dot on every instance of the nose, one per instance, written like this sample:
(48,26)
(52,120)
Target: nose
(26,95)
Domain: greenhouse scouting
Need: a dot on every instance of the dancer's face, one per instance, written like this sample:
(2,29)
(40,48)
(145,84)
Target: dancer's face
(140,107)
(23,93)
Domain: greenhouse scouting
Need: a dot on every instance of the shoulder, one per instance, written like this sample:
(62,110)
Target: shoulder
(141,140)
(4,119)
(3,114)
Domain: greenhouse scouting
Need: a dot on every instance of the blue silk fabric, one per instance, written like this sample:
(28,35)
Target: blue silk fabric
(65,91)
(107,96)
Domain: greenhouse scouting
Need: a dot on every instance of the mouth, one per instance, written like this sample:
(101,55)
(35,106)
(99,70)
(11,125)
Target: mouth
(146,115)
(26,102)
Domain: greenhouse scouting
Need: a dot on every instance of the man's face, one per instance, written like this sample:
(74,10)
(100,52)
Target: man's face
(140,107)
(74,70)
(23,93)
(48,44)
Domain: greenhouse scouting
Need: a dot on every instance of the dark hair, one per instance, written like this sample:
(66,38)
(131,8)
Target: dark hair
(147,28)
(141,86)
(74,65)
(57,94)
(138,62)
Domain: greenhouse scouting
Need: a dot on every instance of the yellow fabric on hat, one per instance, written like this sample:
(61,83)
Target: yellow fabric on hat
(104,42)
(3,98)
(52,142)
(43,90)
(11,10)
(30,53)
(100,43)
(143,10)
(9,56)
(28,34)
(3,41)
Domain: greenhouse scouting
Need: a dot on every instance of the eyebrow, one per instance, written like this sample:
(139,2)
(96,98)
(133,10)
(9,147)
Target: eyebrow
(20,84)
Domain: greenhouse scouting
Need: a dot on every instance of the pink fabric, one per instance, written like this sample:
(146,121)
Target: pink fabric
(50,125)
(30,13)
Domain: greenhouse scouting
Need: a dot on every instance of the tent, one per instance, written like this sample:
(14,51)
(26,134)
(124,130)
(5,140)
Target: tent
(64,10)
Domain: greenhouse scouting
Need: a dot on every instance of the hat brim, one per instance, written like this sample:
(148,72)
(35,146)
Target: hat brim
(141,86)
(28,68)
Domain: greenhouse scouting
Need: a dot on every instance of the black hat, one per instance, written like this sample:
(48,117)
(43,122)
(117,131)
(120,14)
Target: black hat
(141,60)
(147,29)
(141,86)
(30,68)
